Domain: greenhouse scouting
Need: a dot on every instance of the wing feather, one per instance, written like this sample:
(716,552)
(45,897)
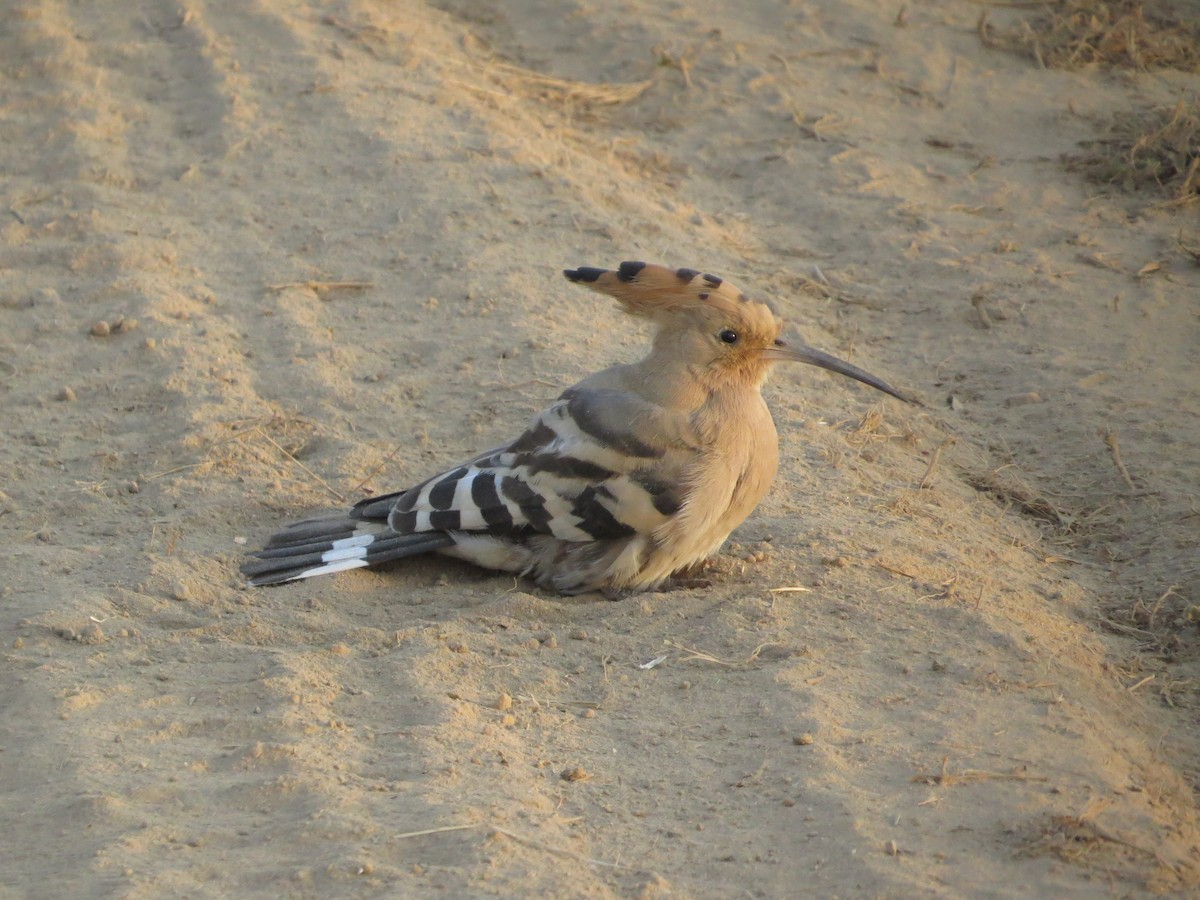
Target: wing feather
(596,465)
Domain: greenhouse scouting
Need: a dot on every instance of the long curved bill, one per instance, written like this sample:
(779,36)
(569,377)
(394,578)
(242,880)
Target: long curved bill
(815,357)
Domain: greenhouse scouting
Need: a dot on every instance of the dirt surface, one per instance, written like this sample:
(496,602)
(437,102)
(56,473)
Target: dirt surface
(264,258)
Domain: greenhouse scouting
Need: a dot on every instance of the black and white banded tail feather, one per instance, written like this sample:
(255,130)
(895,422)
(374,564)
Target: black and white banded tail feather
(334,544)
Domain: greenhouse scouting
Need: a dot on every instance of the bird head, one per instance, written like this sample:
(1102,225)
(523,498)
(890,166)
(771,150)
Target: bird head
(710,325)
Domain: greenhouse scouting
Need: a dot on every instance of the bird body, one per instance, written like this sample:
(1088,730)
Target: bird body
(634,474)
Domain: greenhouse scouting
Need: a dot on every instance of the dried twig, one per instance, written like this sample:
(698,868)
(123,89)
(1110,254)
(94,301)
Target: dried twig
(693,653)
(977,301)
(424,831)
(1110,438)
(1143,682)
(927,478)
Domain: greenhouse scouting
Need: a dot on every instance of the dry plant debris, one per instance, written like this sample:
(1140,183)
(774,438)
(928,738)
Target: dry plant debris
(562,92)
(1157,147)
(1013,490)
(1073,34)
(946,778)
(1157,626)
(1081,840)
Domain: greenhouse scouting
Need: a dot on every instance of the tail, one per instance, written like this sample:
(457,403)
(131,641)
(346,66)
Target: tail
(334,544)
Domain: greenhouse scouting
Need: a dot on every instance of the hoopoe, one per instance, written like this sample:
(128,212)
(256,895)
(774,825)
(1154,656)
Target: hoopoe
(636,473)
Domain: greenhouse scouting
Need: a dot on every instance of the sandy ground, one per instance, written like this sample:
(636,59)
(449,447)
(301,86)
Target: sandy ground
(954,652)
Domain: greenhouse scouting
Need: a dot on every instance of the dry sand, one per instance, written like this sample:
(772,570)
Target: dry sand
(955,651)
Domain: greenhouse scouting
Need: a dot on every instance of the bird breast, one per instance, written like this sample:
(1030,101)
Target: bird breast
(728,480)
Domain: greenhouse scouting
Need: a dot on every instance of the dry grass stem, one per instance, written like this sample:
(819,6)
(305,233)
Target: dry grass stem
(313,475)
(895,571)
(320,287)
(379,468)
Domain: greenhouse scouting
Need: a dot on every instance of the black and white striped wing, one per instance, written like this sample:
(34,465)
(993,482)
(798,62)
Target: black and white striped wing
(596,465)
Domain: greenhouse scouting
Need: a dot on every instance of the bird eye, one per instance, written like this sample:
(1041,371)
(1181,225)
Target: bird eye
(729,336)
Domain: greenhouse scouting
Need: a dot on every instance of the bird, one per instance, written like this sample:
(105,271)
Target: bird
(636,474)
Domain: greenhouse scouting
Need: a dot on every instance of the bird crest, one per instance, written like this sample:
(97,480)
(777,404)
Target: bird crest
(649,291)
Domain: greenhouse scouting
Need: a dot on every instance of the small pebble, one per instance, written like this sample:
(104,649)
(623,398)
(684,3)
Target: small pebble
(891,848)
(803,740)
(66,393)
(503,702)
(101,329)
(574,773)
(586,714)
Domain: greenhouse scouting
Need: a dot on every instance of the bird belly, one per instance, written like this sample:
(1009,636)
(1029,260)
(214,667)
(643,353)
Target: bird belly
(490,552)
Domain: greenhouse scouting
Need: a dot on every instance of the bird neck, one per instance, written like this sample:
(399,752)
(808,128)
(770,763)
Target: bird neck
(675,384)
